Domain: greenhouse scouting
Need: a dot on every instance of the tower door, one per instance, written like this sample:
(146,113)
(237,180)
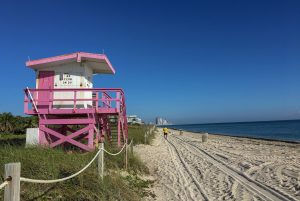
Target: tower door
(46,81)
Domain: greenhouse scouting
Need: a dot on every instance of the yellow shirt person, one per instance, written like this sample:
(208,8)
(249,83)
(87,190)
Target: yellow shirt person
(165,130)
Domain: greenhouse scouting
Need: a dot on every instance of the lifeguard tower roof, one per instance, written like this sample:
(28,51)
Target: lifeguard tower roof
(99,63)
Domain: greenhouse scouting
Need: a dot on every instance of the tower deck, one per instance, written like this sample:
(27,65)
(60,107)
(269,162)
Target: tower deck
(94,116)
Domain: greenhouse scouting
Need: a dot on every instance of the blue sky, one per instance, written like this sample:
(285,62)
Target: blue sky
(187,61)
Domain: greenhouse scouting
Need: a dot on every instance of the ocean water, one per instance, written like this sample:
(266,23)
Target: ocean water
(288,130)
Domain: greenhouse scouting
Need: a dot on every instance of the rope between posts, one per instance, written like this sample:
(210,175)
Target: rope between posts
(114,154)
(3,184)
(130,143)
(65,178)
(62,179)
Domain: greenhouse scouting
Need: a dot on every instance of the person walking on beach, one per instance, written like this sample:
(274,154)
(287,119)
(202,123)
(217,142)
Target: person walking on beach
(165,130)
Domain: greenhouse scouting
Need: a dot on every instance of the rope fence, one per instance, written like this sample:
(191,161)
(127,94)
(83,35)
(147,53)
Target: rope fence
(130,143)
(39,181)
(3,184)
(13,170)
(114,154)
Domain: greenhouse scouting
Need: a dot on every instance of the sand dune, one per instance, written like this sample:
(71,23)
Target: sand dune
(224,168)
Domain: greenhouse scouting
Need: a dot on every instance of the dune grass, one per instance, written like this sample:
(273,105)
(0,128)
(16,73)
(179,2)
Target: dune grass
(54,163)
(12,139)
(137,133)
(44,163)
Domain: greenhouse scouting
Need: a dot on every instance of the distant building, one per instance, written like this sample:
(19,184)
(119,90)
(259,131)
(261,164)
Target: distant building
(160,121)
(134,119)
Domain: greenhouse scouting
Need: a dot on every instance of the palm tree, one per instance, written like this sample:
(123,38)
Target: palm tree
(19,124)
(6,122)
(33,122)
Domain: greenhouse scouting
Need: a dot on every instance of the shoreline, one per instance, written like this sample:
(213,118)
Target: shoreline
(237,136)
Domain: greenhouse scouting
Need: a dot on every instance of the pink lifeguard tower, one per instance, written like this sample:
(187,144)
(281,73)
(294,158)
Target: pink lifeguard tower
(70,110)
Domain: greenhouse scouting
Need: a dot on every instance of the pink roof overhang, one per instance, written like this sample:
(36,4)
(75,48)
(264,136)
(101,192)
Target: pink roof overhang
(98,62)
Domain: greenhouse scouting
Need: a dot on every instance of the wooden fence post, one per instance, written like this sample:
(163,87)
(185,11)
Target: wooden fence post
(12,190)
(126,155)
(131,147)
(101,161)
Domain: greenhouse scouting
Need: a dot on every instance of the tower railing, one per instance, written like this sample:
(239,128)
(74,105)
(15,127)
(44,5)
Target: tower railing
(74,100)
(83,106)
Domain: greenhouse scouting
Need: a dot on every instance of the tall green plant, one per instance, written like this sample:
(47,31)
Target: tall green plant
(6,122)
(16,124)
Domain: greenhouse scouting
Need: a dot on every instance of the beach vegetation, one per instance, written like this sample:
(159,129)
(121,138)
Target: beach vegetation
(46,163)
(137,133)
(10,124)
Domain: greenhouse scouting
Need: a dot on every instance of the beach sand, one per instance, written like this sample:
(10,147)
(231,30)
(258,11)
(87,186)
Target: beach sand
(223,168)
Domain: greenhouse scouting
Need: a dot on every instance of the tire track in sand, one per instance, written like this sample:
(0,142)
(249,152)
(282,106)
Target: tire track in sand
(253,186)
(218,185)
(187,170)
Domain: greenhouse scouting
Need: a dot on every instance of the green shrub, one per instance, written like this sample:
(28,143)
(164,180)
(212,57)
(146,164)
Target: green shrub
(42,163)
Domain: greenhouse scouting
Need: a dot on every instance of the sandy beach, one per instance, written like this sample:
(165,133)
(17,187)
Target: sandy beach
(223,168)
